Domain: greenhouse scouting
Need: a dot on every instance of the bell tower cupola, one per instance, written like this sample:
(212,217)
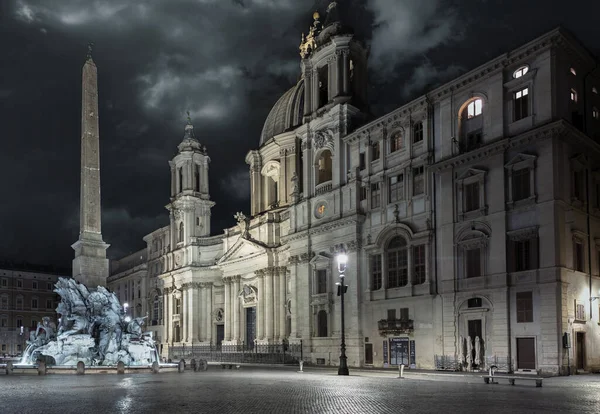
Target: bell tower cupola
(334,64)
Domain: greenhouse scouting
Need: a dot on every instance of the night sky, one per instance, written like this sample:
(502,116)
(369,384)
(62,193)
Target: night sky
(227,62)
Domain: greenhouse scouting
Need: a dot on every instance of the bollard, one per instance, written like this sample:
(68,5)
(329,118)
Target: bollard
(120,367)
(194,365)
(301,366)
(401,371)
(41,368)
(9,368)
(80,368)
(155,367)
(181,366)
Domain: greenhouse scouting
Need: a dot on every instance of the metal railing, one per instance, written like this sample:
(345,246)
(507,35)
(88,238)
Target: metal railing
(258,354)
(452,363)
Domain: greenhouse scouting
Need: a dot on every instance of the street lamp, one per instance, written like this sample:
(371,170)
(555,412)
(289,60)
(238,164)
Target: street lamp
(342,260)
(125,306)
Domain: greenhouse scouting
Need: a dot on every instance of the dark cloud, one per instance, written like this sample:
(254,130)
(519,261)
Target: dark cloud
(226,62)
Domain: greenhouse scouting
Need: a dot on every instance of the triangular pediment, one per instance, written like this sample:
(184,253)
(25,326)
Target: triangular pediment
(519,158)
(320,260)
(471,172)
(243,248)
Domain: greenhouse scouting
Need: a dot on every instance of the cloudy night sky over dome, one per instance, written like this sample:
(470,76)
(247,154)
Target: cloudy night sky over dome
(227,62)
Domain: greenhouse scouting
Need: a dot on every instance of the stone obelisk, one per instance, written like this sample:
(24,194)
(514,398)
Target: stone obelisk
(90,265)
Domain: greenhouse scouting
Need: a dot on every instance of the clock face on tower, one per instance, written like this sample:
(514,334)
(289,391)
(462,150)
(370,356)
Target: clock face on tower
(320,209)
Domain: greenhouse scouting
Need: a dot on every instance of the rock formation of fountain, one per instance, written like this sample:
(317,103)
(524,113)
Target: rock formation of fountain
(93,328)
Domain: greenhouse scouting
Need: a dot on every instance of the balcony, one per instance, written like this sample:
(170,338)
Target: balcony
(323,188)
(395,327)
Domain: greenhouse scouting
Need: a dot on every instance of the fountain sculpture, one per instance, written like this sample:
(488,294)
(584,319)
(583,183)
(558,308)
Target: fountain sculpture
(93,328)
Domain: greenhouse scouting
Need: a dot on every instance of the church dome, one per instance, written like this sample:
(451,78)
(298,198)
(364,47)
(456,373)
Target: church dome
(286,114)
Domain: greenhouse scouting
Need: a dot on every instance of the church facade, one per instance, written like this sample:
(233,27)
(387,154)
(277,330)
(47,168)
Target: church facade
(470,217)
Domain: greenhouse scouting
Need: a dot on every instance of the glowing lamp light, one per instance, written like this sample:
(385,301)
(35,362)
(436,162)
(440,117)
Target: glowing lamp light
(127,319)
(342,260)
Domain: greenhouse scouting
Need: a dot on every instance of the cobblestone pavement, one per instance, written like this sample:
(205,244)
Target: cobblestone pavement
(255,390)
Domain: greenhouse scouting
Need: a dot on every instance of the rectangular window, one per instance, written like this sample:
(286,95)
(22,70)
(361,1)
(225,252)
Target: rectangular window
(473,263)
(4,282)
(321,281)
(363,193)
(418,132)
(375,151)
(578,185)
(524,307)
(524,255)
(419,263)
(397,268)
(4,302)
(391,314)
(19,283)
(579,311)
(19,302)
(578,258)
(361,161)
(471,197)
(520,184)
(396,188)
(34,303)
(404,314)
(418,181)
(521,104)
(375,195)
(49,286)
(34,284)
(376,272)
(396,142)
(19,322)
(48,303)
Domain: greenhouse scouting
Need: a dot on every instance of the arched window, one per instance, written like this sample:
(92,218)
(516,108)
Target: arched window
(324,167)
(474,108)
(180,179)
(4,302)
(322,324)
(397,263)
(471,125)
(197,177)
(520,71)
(180,236)
(396,141)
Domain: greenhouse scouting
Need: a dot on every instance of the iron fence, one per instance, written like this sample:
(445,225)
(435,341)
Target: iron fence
(258,354)
(447,363)
(452,363)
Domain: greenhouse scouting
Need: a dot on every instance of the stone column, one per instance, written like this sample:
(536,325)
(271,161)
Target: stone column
(293,288)
(346,73)
(166,317)
(269,304)
(196,318)
(202,313)
(236,308)
(282,301)
(308,79)
(255,183)
(204,177)
(409,264)
(184,315)
(209,310)
(315,90)
(228,319)
(282,182)
(276,301)
(260,306)
(427,266)
(173,179)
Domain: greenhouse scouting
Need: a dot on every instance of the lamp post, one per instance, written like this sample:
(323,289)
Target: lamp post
(342,260)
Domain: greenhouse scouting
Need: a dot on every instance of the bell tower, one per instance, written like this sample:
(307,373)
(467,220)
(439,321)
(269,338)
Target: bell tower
(190,200)
(334,64)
